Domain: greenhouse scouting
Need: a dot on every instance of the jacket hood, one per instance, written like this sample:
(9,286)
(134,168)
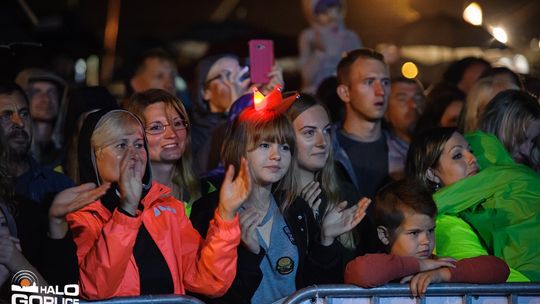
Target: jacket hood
(82,100)
(87,161)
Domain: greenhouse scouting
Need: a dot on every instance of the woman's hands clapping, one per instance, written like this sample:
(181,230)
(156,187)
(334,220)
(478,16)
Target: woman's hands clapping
(340,219)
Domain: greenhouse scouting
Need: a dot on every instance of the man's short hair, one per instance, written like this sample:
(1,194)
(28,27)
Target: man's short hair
(402,79)
(344,65)
(151,53)
(8,88)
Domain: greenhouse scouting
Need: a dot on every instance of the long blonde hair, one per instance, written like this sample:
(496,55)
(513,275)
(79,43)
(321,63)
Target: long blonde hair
(477,99)
(327,175)
(183,177)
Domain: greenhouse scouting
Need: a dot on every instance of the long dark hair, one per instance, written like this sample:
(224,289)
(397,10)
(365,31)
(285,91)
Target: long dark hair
(424,153)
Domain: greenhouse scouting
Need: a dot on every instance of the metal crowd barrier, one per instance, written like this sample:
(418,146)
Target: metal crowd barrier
(160,299)
(514,293)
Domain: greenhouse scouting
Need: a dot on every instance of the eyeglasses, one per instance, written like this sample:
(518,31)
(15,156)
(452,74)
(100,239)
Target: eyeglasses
(158,128)
(221,76)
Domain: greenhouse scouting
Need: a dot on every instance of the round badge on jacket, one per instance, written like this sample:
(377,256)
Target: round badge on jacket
(285,265)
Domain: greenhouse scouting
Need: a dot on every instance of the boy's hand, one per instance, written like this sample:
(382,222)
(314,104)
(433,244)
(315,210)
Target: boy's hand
(420,281)
(430,264)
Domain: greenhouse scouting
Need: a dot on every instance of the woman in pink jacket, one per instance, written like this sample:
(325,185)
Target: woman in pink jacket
(136,239)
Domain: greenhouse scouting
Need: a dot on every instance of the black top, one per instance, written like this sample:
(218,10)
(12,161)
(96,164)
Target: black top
(369,160)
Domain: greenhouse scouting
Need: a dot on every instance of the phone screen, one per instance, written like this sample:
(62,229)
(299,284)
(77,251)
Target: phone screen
(261,58)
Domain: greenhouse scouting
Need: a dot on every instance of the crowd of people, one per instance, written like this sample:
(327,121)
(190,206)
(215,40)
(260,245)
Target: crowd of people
(373,179)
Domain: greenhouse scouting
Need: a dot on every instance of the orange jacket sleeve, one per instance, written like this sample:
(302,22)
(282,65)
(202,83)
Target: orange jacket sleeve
(104,249)
(209,266)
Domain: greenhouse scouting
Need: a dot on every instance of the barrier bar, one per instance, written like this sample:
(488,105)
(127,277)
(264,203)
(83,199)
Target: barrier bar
(402,290)
(161,299)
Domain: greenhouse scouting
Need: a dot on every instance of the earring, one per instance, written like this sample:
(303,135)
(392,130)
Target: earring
(437,187)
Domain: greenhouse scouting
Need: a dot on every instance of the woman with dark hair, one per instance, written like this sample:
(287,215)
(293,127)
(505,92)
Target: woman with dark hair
(480,211)
(442,109)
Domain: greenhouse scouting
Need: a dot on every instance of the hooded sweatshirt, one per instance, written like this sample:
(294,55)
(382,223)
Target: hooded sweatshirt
(155,251)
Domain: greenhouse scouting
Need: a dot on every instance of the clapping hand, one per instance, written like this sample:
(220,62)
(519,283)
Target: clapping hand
(340,219)
(250,218)
(233,193)
(310,194)
(131,173)
(69,200)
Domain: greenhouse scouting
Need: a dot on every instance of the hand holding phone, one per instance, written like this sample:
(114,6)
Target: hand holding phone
(261,58)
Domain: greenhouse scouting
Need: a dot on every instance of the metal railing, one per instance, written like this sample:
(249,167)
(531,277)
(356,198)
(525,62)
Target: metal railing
(521,293)
(161,299)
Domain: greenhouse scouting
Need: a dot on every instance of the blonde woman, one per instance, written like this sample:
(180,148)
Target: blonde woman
(136,239)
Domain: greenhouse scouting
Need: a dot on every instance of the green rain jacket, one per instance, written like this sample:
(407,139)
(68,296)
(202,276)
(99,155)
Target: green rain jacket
(495,212)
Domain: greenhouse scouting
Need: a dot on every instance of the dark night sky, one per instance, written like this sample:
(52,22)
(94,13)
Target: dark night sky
(77,26)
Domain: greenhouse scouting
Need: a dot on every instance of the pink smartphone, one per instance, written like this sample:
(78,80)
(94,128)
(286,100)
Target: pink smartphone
(261,60)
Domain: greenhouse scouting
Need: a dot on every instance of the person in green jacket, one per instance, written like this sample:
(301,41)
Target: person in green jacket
(487,203)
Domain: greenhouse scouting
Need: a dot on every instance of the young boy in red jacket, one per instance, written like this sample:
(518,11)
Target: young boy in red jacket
(405,217)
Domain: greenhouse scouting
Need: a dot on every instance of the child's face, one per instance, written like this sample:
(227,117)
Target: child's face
(269,162)
(415,236)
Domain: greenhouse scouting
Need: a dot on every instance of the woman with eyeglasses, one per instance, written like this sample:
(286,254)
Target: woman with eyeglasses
(136,239)
(167,128)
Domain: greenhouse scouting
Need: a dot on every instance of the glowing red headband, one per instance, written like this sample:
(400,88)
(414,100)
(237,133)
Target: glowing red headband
(274,100)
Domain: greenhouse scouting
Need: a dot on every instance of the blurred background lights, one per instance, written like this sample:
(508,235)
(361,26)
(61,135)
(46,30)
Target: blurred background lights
(80,70)
(500,34)
(473,14)
(409,70)
(521,64)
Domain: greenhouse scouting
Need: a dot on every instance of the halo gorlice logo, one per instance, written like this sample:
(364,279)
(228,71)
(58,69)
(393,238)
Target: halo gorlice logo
(26,290)
(25,281)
